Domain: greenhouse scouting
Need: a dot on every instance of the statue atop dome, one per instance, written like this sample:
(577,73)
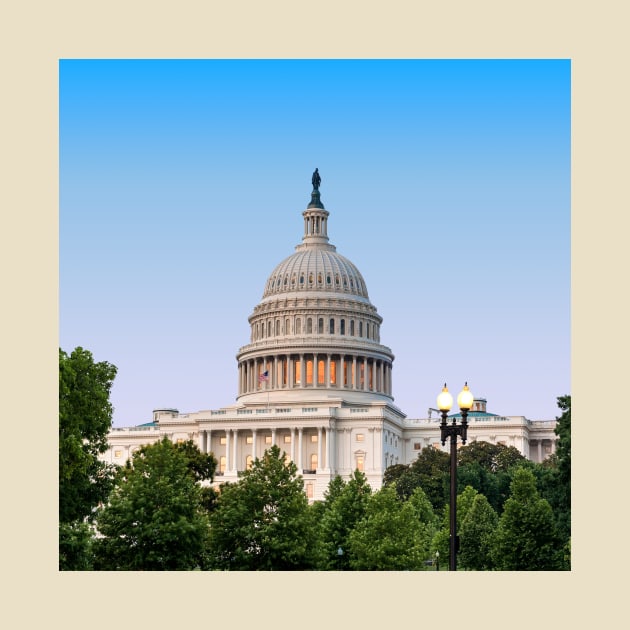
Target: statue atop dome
(316,180)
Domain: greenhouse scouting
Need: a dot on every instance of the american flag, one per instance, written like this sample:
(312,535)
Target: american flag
(264,376)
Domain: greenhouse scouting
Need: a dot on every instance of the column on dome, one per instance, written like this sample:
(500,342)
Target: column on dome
(315,370)
(327,372)
(302,370)
(274,384)
(365,374)
(354,372)
(291,381)
(382,377)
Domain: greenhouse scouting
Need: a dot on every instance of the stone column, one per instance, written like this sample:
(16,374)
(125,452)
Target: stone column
(209,441)
(235,446)
(319,447)
(292,434)
(355,376)
(273,436)
(382,377)
(202,440)
(254,454)
(539,451)
(302,371)
(330,442)
(291,371)
(228,444)
(299,461)
(274,378)
(366,380)
(315,370)
(327,372)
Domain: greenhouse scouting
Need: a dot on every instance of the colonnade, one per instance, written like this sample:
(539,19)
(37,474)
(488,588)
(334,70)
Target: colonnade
(233,447)
(315,370)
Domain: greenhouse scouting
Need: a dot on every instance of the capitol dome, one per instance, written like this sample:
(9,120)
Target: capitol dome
(315,327)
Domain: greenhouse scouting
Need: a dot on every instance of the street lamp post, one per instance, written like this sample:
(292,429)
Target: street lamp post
(445,402)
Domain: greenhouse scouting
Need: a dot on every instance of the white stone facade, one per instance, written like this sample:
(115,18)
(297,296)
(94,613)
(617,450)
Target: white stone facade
(315,380)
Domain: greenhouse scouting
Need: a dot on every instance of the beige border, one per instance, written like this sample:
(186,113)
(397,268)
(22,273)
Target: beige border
(36,34)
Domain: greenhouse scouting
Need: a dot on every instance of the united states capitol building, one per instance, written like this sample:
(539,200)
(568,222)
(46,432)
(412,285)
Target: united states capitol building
(316,380)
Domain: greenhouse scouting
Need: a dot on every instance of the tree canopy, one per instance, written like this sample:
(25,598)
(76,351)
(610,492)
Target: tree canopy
(154,519)
(262,522)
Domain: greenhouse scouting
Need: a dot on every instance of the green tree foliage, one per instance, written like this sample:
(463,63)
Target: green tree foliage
(476,535)
(430,471)
(526,538)
(85,418)
(155,519)
(393,473)
(262,522)
(441,540)
(562,507)
(75,546)
(491,457)
(390,537)
(346,507)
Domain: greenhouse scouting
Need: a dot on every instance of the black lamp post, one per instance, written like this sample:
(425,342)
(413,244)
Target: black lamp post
(445,402)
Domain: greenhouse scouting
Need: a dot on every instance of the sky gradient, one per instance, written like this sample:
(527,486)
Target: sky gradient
(182,185)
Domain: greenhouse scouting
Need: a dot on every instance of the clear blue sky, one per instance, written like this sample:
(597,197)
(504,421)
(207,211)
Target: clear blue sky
(182,184)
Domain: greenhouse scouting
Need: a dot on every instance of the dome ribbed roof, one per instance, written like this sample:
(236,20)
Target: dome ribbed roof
(316,269)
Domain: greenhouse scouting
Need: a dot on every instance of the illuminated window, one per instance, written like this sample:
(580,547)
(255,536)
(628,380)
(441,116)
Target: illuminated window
(314,461)
(222,464)
(249,439)
(287,459)
(248,462)
(333,372)
(223,441)
(360,463)
(180,441)
(313,438)
(309,490)
(287,439)
(360,437)
(297,369)
(321,372)
(118,453)
(309,372)
(267,439)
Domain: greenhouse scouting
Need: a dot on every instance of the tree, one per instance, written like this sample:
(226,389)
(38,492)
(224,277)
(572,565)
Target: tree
(476,535)
(442,537)
(262,522)
(526,538)
(430,471)
(85,417)
(393,473)
(154,519)
(492,457)
(562,506)
(390,537)
(344,512)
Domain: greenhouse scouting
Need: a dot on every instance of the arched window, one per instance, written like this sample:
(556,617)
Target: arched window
(314,461)
(321,373)
(222,463)
(328,279)
(302,279)
(277,327)
(298,326)
(309,372)
(342,327)
(337,279)
(320,326)
(287,326)
(309,326)
(248,462)
(319,278)
(352,327)
(331,326)
(360,329)
(310,278)
(367,330)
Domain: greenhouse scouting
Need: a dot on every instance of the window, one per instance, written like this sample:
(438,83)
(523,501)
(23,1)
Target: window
(314,461)
(309,326)
(249,440)
(267,439)
(287,326)
(333,372)
(287,439)
(342,327)
(352,327)
(248,462)
(313,438)
(417,446)
(360,437)
(309,490)
(298,326)
(222,464)
(320,326)
(331,326)
(309,372)
(328,279)
(277,327)
(360,329)
(118,453)
(223,441)
(360,463)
